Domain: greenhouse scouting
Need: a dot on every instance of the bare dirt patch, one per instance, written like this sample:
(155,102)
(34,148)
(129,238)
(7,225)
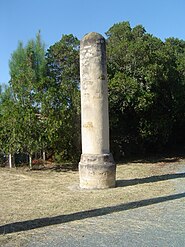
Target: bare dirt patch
(26,196)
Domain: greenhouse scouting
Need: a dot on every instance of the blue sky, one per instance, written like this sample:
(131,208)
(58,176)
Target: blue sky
(20,20)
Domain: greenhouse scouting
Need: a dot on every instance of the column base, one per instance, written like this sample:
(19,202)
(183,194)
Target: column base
(97,171)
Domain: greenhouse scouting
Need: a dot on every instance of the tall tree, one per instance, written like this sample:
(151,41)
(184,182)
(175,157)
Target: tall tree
(27,71)
(175,49)
(61,97)
(143,87)
(10,131)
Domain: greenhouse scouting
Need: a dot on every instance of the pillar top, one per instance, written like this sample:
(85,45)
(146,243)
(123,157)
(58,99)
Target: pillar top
(93,37)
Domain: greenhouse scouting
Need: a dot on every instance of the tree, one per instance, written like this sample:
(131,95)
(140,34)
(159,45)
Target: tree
(27,71)
(61,98)
(9,129)
(144,88)
(176,50)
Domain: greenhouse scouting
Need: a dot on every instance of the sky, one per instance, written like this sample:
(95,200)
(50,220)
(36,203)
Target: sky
(20,20)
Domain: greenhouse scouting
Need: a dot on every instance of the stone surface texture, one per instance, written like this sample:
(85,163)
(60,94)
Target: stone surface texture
(95,171)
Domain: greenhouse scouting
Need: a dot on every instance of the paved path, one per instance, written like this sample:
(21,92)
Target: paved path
(161,224)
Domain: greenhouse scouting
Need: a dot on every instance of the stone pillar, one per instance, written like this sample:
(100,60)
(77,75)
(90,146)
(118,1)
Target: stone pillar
(97,168)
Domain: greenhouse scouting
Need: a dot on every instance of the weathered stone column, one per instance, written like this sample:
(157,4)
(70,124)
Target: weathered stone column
(97,168)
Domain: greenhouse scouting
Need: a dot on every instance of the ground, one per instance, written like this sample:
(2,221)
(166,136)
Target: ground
(47,208)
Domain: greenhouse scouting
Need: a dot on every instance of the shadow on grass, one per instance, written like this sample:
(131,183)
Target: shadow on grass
(43,222)
(152,179)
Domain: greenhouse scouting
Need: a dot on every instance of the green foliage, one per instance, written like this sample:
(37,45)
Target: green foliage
(27,71)
(62,99)
(9,131)
(146,87)
(40,110)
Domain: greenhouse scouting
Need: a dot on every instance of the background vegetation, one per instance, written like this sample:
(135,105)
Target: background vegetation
(40,107)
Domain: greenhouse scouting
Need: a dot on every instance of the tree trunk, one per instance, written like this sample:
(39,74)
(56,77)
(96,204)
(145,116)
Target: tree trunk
(10,160)
(30,161)
(44,156)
